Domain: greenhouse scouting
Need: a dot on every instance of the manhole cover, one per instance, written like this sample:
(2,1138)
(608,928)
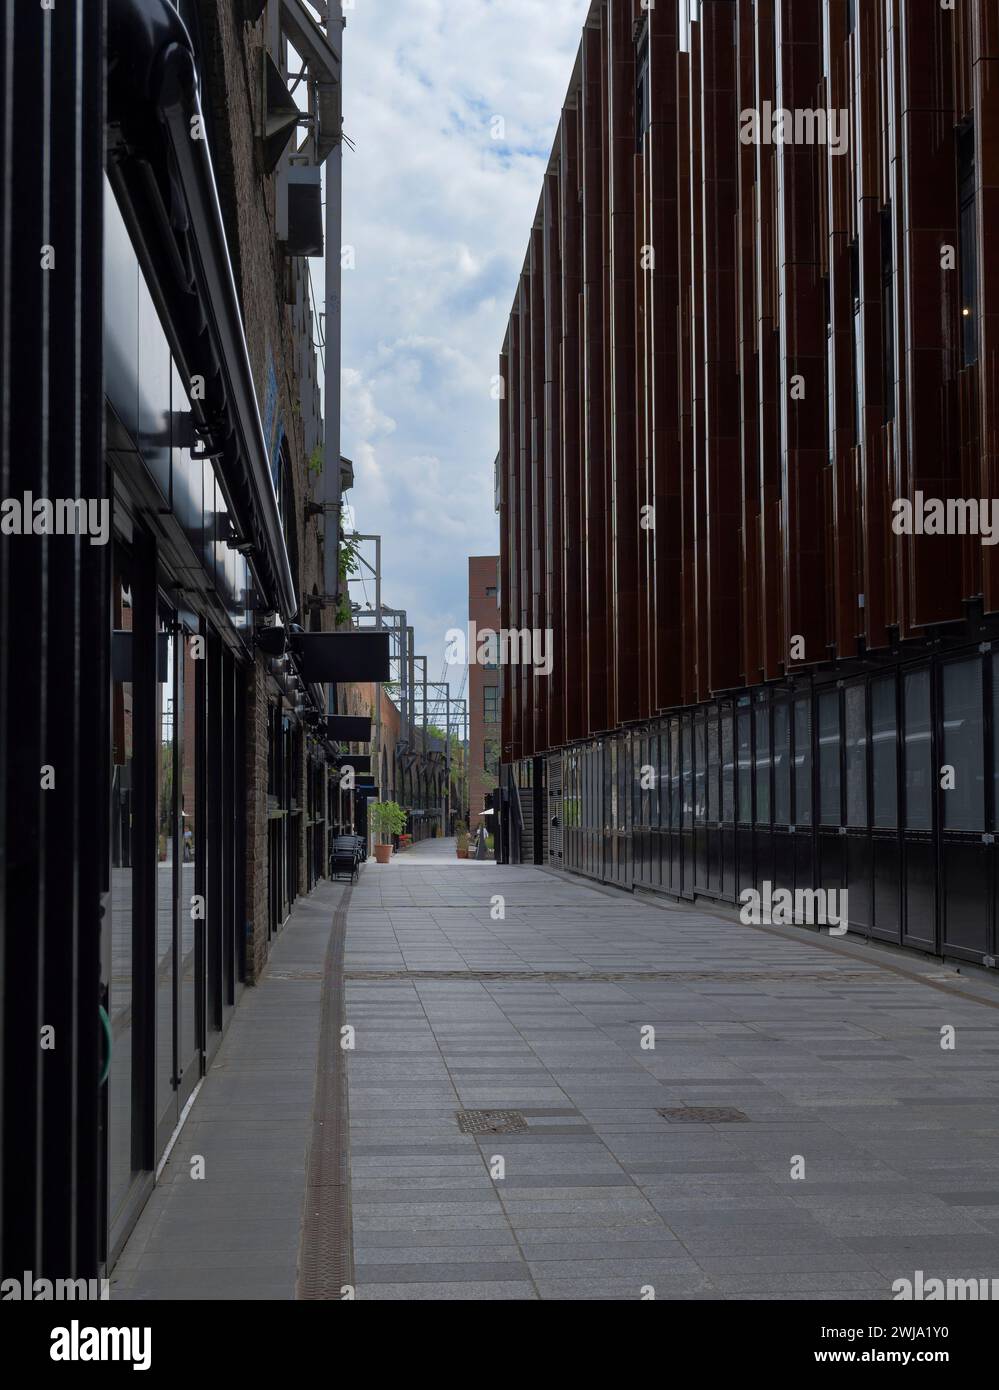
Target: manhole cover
(703,1115)
(491,1122)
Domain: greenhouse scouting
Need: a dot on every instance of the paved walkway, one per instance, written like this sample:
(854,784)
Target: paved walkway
(861,1150)
(235,1234)
(833,1058)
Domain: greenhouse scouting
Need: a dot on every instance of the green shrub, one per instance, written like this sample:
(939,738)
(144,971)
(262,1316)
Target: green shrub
(387,819)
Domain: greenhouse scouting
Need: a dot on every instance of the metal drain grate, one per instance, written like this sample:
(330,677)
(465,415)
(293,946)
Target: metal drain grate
(703,1115)
(491,1122)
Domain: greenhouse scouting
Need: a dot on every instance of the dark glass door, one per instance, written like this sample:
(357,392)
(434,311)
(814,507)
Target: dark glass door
(123,1150)
(192,903)
(180,894)
(167,877)
(126,961)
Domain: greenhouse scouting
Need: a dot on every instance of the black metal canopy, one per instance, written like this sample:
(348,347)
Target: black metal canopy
(348,728)
(360,762)
(341,656)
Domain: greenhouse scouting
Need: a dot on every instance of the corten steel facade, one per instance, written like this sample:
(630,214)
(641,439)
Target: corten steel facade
(483,690)
(728,357)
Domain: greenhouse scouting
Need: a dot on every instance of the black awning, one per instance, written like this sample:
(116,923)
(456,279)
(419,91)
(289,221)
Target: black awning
(341,656)
(348,728)
(360,762)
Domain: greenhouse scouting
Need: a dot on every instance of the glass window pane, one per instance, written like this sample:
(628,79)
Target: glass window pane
(964,748)
(763,762)
(995,738)
(803,761)
(713,767)
(884,752)
(652,798)
(686,755)
(829,773)
(745,769)
(120,1002)
(782,763)
(856,755)
(167,808)
(674,762)
(918,752)
(187,965)
(728,767)
(610,787)
(700,770)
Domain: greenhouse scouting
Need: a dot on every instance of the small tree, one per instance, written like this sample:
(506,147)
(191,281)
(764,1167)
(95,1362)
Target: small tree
(387,819)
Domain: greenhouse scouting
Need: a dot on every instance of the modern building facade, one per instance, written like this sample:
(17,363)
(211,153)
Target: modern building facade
(170,738)
(484,687)
(748,457)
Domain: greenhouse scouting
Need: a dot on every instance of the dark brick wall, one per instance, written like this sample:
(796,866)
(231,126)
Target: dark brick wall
(231,53)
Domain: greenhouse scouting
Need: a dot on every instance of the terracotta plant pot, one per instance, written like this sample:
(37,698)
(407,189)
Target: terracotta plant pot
(383,854)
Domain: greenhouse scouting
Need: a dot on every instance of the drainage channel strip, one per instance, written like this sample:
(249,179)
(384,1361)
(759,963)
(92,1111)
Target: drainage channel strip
(326,1258)
(621,976)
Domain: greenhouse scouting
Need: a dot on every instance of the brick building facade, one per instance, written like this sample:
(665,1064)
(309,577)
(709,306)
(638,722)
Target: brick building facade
(273,287)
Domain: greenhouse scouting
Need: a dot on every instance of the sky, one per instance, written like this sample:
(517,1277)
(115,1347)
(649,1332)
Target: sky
(438,212)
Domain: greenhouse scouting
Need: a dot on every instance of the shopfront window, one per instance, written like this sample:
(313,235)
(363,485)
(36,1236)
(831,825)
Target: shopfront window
(121,1158)
(190,851)
(995,741)
(919,780)
(700,769)
(803,760)
(745,732)
(763,759)
(884,752)
(782,762)
(713,767)
(167,864)
(675,789)
(829,758)
(856,756)
(963,774)
(687,765)
(728,766)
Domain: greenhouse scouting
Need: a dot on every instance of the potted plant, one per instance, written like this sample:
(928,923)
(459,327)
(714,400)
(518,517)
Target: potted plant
(387,819)
(461,835)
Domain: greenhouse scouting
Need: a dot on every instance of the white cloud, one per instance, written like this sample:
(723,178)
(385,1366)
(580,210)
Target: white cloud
(439,213)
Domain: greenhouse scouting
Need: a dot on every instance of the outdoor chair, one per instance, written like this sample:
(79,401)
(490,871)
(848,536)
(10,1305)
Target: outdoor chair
(344,859)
